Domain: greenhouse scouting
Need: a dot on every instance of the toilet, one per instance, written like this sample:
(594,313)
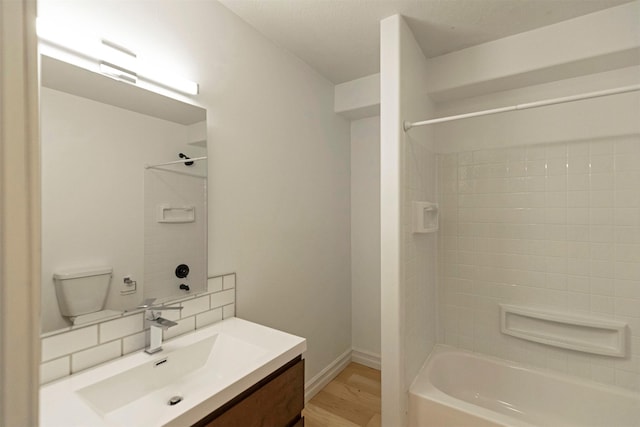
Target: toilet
(82,293)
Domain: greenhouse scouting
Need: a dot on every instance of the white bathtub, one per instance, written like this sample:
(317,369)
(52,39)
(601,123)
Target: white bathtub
(459,388)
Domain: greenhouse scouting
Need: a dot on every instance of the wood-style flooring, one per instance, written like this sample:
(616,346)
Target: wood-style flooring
(352,399)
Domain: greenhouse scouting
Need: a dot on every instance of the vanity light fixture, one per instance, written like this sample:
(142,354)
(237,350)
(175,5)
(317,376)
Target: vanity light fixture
(126,60)
(118,73)
(161,78)
(100,55)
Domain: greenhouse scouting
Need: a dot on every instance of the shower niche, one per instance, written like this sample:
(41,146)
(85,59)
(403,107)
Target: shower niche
(425,217)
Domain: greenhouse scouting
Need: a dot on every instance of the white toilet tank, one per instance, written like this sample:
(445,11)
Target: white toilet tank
(82,291)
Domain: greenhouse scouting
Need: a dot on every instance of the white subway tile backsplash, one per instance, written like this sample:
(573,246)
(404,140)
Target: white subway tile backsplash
(229,281)
(229,311)
(69,342)
(219,299)
(208,317)
(95,355)
(170,314)
(195,306)
(55,369)
(135,342)
(214,284)
(71,350)
(183,326)
(119,328)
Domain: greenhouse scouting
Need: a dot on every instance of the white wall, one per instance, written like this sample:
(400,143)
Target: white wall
(418,253)
(541,208)
(563,50)
(394,398)
(408,267)
(93,191)
(278,162)
(365,236)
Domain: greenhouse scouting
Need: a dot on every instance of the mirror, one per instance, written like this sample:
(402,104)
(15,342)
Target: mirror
(109,201)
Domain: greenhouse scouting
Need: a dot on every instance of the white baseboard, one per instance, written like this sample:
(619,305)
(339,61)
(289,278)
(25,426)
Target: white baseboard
(366,358)
(324,377)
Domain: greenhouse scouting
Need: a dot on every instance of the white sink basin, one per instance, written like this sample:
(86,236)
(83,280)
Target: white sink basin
(171,374)
(203,369)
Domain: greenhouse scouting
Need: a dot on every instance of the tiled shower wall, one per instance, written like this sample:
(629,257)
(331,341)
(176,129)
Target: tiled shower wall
(554,226)
(74,349)
(419,257)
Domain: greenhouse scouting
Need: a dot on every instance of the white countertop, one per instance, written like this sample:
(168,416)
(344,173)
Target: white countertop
(223,376)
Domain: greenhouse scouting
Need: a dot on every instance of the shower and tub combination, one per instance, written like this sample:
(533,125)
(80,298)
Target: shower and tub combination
(587,184)
(461,388)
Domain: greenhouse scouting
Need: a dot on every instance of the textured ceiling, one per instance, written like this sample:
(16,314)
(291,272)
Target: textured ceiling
(340,38)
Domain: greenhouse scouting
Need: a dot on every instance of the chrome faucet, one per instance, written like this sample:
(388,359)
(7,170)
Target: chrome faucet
(157,324)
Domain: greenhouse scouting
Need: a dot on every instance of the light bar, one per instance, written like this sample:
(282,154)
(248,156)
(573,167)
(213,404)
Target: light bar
(118,73)
(108,58)
(162,78)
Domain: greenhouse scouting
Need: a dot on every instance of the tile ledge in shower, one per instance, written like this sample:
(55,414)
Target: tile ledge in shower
(584,333)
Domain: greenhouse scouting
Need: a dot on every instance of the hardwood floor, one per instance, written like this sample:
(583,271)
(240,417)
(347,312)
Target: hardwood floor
(352,399)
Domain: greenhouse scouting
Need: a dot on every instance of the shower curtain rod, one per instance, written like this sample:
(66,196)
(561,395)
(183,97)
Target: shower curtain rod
(195,159)
(408,125)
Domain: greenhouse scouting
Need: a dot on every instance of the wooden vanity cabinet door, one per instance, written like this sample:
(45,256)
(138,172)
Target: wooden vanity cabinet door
(276,401)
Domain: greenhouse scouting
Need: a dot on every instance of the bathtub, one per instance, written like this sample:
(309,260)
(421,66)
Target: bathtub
(460,388)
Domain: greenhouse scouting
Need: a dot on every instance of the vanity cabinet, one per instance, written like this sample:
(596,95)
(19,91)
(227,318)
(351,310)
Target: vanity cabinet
(275,401)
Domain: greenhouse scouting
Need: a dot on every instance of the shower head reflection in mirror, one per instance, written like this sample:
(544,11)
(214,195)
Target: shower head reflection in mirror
(99,203)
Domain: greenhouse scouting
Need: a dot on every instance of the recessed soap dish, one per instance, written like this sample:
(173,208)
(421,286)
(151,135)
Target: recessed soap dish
(176,214)
(587,334)
(425,217)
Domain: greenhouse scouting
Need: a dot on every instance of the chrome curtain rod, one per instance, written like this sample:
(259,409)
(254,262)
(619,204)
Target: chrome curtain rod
(408,125)
(195,159)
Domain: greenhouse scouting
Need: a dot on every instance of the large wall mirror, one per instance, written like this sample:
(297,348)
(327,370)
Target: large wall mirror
(122,212)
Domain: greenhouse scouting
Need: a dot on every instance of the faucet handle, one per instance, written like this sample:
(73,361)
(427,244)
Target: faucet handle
(153,315)
(147,303)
